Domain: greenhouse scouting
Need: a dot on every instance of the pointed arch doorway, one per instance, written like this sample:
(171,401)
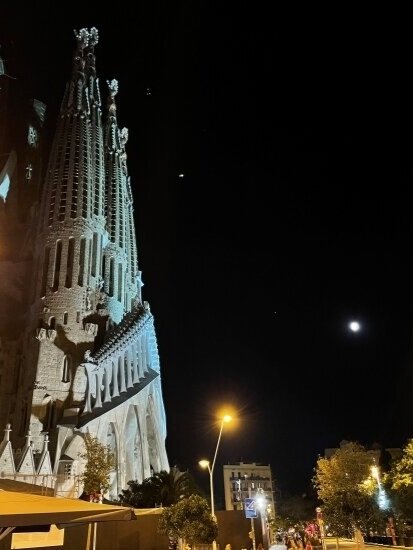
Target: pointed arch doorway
(133,447)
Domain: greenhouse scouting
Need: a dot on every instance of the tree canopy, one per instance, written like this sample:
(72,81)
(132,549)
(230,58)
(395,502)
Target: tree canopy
(399,482)
(99,463)
(401,473)
(189,519)
(161,489)
(344,483)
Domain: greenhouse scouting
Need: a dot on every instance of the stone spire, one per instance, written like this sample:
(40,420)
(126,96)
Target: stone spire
(66,193)
(7,466)
(44,466)
(27,464)
(83,86)
(92,83)
(75,99)
(121,280)
(74,187)
(72,228)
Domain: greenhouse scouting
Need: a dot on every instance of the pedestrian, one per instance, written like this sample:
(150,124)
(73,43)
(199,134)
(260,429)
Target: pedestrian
(298,541)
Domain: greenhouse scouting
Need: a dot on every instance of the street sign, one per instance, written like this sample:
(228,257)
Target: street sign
(249,507)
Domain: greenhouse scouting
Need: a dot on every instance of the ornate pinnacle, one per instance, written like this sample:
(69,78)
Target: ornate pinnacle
(113,87)
(123,135)
(93,36)
(113,90)
(86,38)
(82,38)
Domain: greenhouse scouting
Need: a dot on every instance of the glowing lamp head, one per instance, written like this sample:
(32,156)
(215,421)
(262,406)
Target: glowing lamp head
(227,418)
(375,472)
(260,500)
(204,463)
(354,326)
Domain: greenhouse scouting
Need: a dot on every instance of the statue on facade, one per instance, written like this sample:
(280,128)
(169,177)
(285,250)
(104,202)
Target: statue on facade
(88,300)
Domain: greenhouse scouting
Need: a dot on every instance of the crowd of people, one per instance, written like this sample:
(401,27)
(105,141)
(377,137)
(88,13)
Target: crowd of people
(293,539)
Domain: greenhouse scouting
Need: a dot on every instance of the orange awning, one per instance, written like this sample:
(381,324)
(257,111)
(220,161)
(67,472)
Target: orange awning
(21,509)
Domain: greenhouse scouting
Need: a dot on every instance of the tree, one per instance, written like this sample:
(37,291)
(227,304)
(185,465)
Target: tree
(345,486)
(296,508)
(401,473)
(400,483)
(189,519)
(99,463)
(161,489)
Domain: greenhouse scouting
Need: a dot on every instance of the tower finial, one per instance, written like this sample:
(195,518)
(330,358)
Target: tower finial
(113,86)
(7,432)
(82,38)
(45,441)
(93,36)
(123,136)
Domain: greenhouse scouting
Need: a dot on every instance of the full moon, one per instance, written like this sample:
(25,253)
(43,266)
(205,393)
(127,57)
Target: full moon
(354,326)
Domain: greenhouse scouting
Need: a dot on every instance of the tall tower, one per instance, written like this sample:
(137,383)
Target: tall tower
(90,360)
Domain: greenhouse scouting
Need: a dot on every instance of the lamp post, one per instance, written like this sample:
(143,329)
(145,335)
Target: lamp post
(206,464)
(261,502)
(381,498)
(320,522)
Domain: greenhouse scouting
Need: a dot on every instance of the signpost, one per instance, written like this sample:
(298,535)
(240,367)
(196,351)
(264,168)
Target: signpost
(320,522)
(250,508)
(251,513)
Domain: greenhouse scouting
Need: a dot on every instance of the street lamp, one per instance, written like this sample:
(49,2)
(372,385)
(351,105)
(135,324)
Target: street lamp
(206,464)
(381,498)
(261,503)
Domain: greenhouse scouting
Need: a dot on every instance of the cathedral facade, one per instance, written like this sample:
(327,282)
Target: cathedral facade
(81,355)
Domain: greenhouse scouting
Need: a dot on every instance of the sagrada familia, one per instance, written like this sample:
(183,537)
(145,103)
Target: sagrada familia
(78,350)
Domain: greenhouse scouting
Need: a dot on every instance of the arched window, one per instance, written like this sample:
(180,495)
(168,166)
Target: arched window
(103,270)
(89,269)
(57,261)
(120,282)
(111,276)
(81,262)
(94,254)
(65,317)
(51,415)
(69,265)
(45,270)
(67,368)
(52,323)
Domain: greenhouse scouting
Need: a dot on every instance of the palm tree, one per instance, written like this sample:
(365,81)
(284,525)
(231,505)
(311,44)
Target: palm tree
(161,489)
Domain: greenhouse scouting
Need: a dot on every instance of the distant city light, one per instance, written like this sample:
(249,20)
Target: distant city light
(181,175)
(354,326)
(148,91)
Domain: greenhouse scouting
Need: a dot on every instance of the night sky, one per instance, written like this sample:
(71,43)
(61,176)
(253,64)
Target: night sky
(294,215)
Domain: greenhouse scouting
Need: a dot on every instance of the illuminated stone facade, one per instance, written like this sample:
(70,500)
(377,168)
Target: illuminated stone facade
(83,356)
